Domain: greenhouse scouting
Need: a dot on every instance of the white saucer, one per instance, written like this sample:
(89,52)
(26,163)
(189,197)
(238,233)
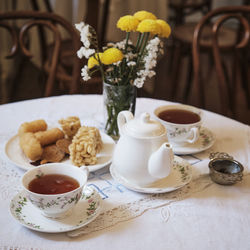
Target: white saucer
(205,141)
(15,154)
(86,210)
(180,175)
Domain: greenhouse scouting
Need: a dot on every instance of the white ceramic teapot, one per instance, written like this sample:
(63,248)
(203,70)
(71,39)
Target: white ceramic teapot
(142,154)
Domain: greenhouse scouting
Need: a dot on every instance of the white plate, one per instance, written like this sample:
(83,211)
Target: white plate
(180,175)
(205,141)
(86,210)
(15,154)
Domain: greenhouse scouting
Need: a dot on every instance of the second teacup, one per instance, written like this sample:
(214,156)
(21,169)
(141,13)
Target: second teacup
(183,122)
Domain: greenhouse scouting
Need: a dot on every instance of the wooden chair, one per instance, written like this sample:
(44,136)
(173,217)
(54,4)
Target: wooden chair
(52,22)
(228,78)
(97,17)
(182,35)
(64,80)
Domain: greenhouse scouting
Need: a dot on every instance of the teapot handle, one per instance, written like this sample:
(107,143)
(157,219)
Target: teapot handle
(122,118)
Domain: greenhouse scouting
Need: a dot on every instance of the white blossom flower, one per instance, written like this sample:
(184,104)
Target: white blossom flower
(110,45)
(80,26)
(85,42)
(132,63)
(121,44)
(83,52)
(86,36)
(84,33)
(151,73)
(131,56)
(117,63)
(138,82)
(85,73)
(150,63)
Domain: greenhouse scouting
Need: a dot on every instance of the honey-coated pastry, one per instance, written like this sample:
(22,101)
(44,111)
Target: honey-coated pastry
(85,145)
(70,126)
(34,126)
(30,146)
(49,136)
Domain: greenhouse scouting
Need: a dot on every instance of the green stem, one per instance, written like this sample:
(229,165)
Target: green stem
(145,43)
(126,44)
(128,76)
(146,35)
(140,42)
(100,64)
(137,42)
(123,66)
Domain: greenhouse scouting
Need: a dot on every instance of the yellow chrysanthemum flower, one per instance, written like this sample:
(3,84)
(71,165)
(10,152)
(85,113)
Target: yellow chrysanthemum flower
(92,61)
(149,25)
(127,23)
(142,15)
(165,28)
(112,55)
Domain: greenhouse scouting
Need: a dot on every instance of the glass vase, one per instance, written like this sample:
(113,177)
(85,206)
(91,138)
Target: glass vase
(117,98)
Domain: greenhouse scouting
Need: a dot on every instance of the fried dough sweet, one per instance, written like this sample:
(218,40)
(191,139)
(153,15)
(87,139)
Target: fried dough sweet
(52,153)
(49,136)
(30,146)
(63,144)
(34,126)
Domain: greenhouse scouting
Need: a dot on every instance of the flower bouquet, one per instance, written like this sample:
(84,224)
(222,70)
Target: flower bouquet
(124,65)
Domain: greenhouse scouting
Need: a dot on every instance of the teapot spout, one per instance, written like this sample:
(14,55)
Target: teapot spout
(161,161)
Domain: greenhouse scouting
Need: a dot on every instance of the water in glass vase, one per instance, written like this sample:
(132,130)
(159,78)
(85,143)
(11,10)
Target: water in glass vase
(117,98)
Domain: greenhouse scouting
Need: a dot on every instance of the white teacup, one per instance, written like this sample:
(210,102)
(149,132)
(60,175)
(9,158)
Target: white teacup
(181,132)
(55,205)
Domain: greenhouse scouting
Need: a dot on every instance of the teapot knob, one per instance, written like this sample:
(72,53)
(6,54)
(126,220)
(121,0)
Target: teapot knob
(145,117)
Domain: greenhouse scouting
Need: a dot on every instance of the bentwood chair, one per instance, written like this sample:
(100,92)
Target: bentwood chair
(182,42)
(21,40)
(232,68)
(58,61)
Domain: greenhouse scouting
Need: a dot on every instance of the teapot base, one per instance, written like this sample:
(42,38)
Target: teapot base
(180,175)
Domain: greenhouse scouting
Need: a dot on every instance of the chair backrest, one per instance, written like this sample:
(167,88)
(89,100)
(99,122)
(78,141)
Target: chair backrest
(185,8)
(55,24)
(239,56)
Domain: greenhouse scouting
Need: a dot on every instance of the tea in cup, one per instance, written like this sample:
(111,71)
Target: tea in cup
(55,188)
(182,122)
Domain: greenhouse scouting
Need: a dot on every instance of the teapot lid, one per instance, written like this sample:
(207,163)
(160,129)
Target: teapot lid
(144,127)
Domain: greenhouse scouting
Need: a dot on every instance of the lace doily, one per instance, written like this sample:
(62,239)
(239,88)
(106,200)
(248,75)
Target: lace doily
(134,209)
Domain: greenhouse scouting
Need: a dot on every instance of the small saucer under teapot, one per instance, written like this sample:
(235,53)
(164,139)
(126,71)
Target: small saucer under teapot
(142,154)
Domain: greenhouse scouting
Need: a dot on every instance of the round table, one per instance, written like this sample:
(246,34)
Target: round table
(201,215)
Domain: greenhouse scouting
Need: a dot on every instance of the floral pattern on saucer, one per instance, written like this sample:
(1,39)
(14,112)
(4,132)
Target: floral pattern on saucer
(206,137)
(184,170)
(180,175)
(205,141)
(29,216)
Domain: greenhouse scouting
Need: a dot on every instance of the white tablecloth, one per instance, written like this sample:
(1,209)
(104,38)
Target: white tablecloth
(202,215)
